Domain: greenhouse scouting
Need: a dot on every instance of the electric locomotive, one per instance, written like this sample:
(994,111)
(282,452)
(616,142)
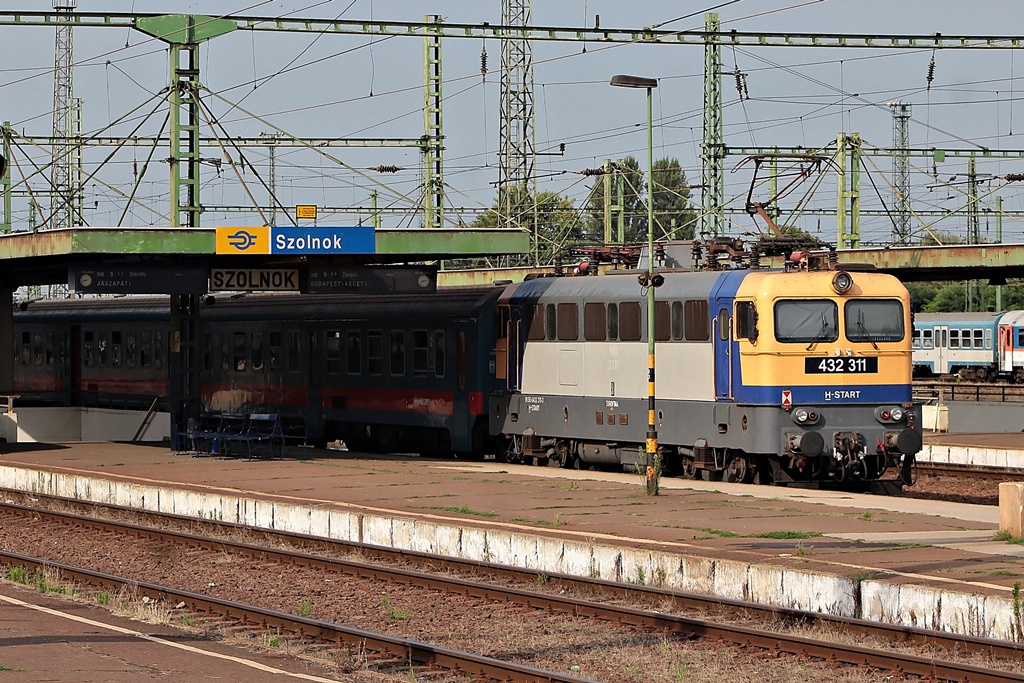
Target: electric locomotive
(796,376)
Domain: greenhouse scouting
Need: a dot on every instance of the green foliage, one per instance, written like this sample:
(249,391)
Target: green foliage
(674,215)
(102,597)
(788,534)
(942,297)
(306,607)
(391,612)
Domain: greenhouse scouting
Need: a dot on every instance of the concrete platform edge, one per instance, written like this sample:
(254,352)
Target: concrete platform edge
(866,598)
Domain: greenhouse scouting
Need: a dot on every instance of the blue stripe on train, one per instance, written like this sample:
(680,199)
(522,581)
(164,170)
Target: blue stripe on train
(802,395)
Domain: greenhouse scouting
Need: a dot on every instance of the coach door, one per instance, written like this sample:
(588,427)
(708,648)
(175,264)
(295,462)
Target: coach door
(941,336)
(1005,347)
(316,371)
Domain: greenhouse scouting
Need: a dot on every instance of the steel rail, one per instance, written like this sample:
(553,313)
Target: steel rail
(409,650)
(635,617)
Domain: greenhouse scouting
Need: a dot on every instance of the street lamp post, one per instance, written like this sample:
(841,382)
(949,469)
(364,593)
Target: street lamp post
(623,81)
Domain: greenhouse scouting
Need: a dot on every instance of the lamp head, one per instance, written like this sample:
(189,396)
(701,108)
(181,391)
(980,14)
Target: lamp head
(624,81)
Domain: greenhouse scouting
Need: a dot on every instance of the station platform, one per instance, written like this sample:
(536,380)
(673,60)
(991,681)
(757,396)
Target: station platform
(893,559)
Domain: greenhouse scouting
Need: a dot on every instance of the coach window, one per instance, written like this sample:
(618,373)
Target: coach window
(37,348)
(89,344)
(131,349)
(116,348)
(746,320)
(926,339)
(207,351)
(146,350)
(439,354)
(397,355)
(874,320)
(988,339)
(954,339)
(420,353)
(629,321)
(698,322)
(49,348)
(662,321)
(294,351)
(225,351)
(916,339)
(595,324)
(238,357)
(354,351)
(101,348)
(677,320)
(276,350)
(1020,338)
(979,342)
(536,332)
(333,352)
(613,322)
(158,349)
(806,321)
(257,351)
(375,352)
(568,322)
(550,322)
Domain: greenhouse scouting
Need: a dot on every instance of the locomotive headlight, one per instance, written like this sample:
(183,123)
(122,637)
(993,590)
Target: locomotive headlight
(896,414)
(842,282)
(800,415)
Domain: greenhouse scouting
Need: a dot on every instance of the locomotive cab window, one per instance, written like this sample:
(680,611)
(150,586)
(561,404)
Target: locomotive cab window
(874,320)
(806,321)
(746,320)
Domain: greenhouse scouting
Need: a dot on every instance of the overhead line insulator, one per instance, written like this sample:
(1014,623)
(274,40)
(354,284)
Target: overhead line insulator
(386,169)
(592,171)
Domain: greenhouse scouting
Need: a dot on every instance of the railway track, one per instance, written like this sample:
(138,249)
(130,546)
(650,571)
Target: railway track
(274,548)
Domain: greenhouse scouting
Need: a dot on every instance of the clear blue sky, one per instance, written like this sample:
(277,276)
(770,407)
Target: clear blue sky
(321,86)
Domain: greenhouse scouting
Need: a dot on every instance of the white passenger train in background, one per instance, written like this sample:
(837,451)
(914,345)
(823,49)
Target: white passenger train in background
(976,346)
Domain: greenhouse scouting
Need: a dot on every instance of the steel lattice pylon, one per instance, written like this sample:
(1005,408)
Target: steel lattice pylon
(900,171)
(516,151)
(62,204)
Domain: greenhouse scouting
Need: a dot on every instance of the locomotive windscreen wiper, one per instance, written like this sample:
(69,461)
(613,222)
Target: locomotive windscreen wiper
(867,335)
(821,333)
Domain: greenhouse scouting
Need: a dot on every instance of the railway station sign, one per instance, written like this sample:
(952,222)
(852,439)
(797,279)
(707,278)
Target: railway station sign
(143,279)
(264,240)
(254,280)
(372,280)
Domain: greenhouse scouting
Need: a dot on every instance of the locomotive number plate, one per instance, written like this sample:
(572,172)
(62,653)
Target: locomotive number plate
(840,365)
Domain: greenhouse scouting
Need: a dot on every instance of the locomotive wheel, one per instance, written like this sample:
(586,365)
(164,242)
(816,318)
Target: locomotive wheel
(736,470)
(689,470)
(709,475)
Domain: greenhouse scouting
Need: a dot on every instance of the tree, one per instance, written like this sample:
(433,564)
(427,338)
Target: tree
(558,222)
(674,216)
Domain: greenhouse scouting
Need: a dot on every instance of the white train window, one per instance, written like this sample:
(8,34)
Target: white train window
(926,339)
(954,339)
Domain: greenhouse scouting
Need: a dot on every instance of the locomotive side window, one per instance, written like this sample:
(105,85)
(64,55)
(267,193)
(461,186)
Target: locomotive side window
(629,321)
(697,322)
(550,322)
(239,354)
(294,351)
(375,352)
(568,322)
(806,321)
(276,349)
(420,352)
(439,354)
(662,321)
(677,320)
(613,322)
(354,347)
(89,346)
(145,350)
(595,323)
(874,320)
(746,320)
(724,322)
(333,352)
(537,324)
(131,349)
(397,355)
(257,350)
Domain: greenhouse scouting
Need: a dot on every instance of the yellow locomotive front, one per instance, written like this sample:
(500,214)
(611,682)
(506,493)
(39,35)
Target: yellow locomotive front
(828,354)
